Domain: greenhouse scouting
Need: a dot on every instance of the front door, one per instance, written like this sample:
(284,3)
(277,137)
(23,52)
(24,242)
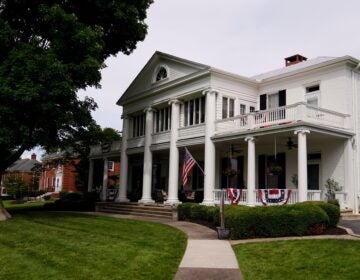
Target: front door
(136,183)
(313,176)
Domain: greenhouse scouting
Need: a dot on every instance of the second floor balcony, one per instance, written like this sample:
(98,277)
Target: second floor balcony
(283,115)
(272,118)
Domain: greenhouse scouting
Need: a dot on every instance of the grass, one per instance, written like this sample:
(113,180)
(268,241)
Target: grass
(45,245)
(300,259)
(15,207)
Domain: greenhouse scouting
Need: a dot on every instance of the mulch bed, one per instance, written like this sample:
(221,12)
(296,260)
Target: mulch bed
(335,231)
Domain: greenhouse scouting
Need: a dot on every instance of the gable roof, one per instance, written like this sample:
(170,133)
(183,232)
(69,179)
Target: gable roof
(178,68)
(22,165)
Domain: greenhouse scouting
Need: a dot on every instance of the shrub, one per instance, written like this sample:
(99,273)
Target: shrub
(199,213)
(275,221)
(74,201)
(331,209)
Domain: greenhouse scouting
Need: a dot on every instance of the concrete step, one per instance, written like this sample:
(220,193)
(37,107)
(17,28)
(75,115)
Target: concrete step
(134,209)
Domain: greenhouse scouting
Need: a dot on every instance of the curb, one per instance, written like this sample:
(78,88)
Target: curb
(349,231)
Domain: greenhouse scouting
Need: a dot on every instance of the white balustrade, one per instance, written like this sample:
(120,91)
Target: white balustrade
(313,195)
(283,115)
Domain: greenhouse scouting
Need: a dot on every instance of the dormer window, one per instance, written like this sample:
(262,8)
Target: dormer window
(161,74)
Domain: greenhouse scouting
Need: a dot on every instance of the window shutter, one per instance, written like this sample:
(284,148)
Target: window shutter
(263,102)
(282,97)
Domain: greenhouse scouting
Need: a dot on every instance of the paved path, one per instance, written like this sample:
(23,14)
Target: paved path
(353,225)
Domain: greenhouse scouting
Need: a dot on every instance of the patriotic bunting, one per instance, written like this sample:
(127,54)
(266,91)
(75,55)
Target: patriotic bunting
(274,196)
(234,195)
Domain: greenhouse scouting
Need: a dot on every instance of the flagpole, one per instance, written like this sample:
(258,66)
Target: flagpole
(195,161)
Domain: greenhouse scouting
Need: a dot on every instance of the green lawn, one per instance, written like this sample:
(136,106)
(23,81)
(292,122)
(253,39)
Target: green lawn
(14,207)
(300,259)
(45,245)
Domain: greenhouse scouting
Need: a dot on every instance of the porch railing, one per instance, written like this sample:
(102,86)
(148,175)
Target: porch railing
(283,115)
(312,195)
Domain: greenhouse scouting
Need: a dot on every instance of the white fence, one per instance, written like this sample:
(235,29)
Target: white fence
(312,195)
(283,115)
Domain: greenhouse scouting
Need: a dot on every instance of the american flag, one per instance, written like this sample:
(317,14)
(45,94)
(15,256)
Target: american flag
(189,163)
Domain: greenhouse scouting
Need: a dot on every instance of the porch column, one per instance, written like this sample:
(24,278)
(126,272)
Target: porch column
(174,154)
(302,164)
(91,175)
(122,195)
(105,180)
(251,170)
(147,174)
(210,115)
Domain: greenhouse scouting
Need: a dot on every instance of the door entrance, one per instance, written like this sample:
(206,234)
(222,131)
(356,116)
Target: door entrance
(136,183)
(313,176)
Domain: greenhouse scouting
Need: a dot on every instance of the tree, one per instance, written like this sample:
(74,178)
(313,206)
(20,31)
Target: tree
(49,49)
(15,186)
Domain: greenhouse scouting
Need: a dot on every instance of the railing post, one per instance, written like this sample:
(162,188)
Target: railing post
(251,120)
(301,110)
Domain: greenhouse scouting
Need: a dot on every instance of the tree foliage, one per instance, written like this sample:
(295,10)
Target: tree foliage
(48,51)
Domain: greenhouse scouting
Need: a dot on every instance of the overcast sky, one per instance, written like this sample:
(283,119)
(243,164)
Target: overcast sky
(246,37)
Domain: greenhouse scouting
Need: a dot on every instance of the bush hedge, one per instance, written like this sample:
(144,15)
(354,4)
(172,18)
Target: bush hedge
(271,221)
(75,201)
(331,210)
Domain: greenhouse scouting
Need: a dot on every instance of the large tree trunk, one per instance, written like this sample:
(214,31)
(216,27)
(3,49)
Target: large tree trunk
(4,215)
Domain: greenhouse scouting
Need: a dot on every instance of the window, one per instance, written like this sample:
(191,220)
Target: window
(138,125)
(252,109)
(242,109)
(161,74)
(110,165)
(162,119)
(273,101)
(228,107)
(194,111)
(312,95)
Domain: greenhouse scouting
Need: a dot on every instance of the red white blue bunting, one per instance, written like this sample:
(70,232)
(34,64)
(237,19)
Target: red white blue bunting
(274,196)
(234,195)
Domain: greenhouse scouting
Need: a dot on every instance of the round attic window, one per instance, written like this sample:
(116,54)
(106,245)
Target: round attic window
(161,74)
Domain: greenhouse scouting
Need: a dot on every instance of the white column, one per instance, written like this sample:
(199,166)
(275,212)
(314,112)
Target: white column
(105,180)
(146,191)
(174,154)
(91,175)
(349,178)
(251,165)
(122,195)
(302,164)
(209,170)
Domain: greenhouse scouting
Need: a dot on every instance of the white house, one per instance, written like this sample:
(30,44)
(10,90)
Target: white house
(247,132)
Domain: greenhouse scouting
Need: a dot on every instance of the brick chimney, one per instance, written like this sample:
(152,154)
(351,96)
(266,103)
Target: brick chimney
(33,156)
(294,59)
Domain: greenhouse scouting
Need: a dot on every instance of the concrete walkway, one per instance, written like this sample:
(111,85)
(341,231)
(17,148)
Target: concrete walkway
(205,257)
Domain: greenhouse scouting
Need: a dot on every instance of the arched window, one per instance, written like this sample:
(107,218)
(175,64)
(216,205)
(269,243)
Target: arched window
(161,74)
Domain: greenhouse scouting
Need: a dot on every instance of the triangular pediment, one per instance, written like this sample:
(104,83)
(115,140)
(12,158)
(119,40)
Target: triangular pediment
(159,70)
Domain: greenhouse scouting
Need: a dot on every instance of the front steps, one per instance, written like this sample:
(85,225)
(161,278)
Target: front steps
(159,211)
(348,215)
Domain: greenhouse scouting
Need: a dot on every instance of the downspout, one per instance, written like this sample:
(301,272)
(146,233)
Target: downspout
(355,122)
